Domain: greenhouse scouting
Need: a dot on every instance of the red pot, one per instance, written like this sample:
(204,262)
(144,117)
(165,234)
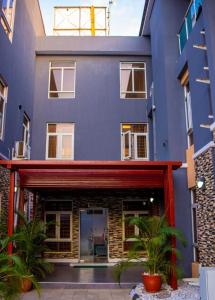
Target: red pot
(26,285)
(152,283)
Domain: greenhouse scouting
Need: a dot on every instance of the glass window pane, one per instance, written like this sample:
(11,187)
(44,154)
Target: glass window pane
(139,128)
(131,95)
(52,147)
(129,229)
(126,80)
(141,147)
(183,36)
(51,228)
(63,64)
(2,88)
(55,80)
(1,115)
(126,127)
(138,65)
(66,151)
(65,226)
(64,127)
(126,65)
(52,128)
(139,81)
(68,80)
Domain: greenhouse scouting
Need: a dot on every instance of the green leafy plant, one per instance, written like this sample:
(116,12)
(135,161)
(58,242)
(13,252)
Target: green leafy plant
(12,272)
(30,245)
(155,238)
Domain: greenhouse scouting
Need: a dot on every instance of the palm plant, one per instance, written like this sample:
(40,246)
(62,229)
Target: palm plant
(155,238)
(30,245)
(12,272)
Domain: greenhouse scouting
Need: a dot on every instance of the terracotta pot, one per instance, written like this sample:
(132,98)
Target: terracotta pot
(26,285)
(152,283)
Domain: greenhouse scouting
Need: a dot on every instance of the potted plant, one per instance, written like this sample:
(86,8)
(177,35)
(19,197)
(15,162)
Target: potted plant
(12,271)
(155,240)
(30,246)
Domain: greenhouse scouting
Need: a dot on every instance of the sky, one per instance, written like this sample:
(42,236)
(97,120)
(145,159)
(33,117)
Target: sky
(125,14)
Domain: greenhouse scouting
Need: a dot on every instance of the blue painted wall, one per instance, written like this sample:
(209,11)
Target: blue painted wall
(200,93)
(97,110)
(17,67)
(170,133)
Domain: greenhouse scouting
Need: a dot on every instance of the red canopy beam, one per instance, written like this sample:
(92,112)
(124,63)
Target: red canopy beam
(11,209)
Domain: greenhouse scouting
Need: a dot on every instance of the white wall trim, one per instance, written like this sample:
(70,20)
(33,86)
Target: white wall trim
(204,149)
(212,127)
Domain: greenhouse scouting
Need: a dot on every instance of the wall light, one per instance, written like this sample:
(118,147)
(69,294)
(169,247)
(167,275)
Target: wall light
(201,183)
(151,199)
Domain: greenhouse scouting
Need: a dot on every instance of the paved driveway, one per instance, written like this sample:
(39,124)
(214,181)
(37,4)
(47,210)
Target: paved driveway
(81,294)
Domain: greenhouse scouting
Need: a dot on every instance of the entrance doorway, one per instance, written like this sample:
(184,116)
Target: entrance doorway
(93,235)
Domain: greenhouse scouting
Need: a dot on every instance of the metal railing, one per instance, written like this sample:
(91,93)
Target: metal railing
(189,22)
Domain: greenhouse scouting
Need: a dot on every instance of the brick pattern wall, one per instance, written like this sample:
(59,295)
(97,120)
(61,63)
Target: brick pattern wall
(205,166)
(4,191)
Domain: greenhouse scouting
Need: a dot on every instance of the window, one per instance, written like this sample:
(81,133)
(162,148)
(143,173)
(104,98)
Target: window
(3,101)
(62,80)
(133,80)
(133,208)
(59,231)
(134,141)
(188,106)
(7,18)
(60,141)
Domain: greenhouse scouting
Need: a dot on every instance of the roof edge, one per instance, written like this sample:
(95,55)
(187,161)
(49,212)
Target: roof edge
(144,27)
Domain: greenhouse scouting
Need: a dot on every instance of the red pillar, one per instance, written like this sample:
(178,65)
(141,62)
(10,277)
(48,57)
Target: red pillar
(170,214)
(11,209)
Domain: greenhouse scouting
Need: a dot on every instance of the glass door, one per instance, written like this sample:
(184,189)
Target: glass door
(93,235)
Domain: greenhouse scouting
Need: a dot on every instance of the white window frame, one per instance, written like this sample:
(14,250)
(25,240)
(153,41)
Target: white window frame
(26,131)
(135,134)
(59,141)
(62,78)
(4,97)
(188,110)
(57,228)
(132,70)
(4,19)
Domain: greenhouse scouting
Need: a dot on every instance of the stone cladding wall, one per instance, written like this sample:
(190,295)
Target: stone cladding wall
(113,202)
(205,166)
(4,192)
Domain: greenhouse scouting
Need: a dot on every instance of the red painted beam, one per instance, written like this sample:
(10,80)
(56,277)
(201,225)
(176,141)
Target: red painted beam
(11,209)
(171,219)
(69,164)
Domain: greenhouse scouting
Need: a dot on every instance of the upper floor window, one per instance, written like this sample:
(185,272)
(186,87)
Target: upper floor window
(133,80)
(62,79)
(60,141)
(134,141)
(188,106)
(3,101)
(189,22)
(7,18)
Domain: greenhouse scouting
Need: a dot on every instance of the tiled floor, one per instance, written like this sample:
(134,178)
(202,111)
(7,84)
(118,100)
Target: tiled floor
(74,294)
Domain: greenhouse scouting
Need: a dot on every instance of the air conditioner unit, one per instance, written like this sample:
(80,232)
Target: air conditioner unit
(21,150)
(207,283)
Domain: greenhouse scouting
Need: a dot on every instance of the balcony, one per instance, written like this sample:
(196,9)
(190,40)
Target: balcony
(189,22)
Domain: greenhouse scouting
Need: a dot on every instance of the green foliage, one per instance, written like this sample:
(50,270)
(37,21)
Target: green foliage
(30,245)
(155,239)
(12,271)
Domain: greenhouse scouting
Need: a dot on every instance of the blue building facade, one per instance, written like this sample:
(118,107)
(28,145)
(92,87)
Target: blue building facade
(112,99)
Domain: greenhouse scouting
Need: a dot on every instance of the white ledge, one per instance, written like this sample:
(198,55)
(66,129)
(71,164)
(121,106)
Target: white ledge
(212,127)
(204,149)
